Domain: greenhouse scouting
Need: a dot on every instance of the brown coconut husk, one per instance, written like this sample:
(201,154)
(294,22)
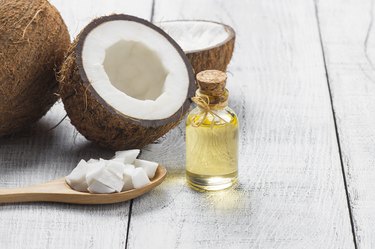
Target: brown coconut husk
(212,58)
(33,40)
(98,121)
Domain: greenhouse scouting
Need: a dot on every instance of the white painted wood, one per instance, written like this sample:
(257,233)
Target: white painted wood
(291,192)
(348,36)
(78,13)
(39,155)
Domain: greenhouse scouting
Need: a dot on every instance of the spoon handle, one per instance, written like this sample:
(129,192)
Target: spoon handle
(49,191)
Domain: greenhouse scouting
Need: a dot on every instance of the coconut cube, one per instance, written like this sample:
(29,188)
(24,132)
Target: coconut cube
(77,178)
(97,187)
(116,167)
(139,178)
(149,167)
(93,160)
(106,177)
(127,177)
(126,156)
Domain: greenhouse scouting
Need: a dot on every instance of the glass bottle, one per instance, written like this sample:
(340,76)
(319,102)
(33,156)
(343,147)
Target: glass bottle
(211,135)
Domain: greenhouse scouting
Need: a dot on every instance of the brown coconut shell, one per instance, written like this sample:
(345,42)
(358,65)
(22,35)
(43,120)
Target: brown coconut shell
(100,122)
(33,40)
(212,58)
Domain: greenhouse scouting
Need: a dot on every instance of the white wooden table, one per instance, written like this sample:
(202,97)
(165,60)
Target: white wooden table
(302,81)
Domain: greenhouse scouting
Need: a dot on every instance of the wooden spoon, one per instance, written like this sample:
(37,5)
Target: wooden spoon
(59,191)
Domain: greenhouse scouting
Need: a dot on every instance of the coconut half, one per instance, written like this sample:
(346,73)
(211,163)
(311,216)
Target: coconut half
(125,82)
(207,44)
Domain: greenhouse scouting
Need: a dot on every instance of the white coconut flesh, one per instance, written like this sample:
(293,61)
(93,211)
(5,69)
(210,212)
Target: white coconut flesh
(109,176)
(126,156)
(196,35)
(135,69)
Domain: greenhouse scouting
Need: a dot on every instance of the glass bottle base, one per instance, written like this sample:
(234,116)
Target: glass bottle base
(211,183)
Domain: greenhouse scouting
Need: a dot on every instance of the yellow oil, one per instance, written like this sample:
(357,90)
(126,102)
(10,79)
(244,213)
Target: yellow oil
(211,149)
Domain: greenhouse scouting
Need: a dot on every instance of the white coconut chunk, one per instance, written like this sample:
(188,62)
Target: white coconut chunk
(127,177)
(139,178)
(77,178)
(121,160)
(106,177)
(129,167)
(92,169)
(93,160)
(81,187)
(94,165)
(127,156)
(100,164)
(99,188)
(92,172)
(116,167)
(128,184)
(149,167)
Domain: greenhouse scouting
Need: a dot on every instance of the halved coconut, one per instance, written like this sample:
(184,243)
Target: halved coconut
(125,82)
(208,45)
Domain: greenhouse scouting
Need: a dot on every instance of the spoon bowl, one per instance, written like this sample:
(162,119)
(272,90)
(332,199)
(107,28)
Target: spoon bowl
(59,191)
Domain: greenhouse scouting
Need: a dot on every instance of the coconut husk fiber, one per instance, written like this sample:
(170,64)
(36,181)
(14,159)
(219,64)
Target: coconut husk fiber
(33,40)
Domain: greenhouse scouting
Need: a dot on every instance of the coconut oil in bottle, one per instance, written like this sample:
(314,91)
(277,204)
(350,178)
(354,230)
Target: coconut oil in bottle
(211,136)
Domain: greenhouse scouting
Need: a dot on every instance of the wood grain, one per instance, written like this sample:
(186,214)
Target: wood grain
(291,192)
(40,155)
(77,14)
(348,36)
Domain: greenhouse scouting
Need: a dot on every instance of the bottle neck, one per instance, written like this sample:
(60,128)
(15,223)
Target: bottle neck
(213,100)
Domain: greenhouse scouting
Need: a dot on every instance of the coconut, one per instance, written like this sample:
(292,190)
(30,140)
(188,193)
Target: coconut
(139,178)
(208,45)
(147,166)
(126,156)
(125,82)
(33,40)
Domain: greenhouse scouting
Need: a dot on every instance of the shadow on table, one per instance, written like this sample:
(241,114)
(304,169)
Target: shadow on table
(39,153)
(175,194)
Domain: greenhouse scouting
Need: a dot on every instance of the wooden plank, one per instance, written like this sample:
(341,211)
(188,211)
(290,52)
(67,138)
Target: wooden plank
(291,192)
(77,14)
(348,36)
(39,155)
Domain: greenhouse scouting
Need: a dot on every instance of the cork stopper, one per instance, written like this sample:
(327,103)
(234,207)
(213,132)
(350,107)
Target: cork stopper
(212,86)
(212,82)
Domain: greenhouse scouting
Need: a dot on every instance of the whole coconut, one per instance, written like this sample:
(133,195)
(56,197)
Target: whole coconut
(33,40)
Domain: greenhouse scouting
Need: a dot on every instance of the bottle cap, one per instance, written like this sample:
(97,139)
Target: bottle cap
(212,82)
